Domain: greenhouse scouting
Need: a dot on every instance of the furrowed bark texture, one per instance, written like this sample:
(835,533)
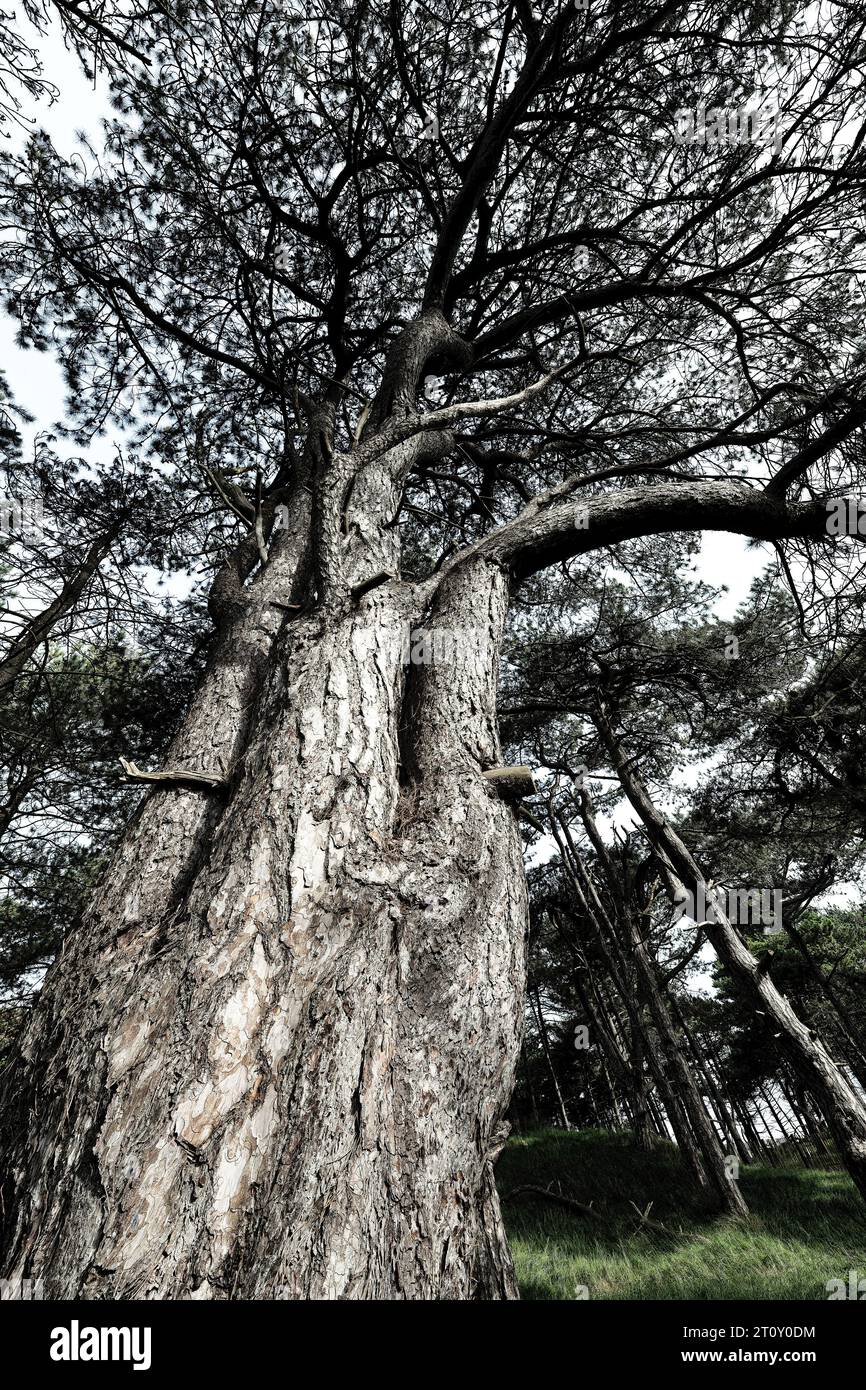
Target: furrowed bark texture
(275,1060)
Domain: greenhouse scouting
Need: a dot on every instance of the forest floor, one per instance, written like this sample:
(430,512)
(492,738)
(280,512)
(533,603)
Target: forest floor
(807,1226)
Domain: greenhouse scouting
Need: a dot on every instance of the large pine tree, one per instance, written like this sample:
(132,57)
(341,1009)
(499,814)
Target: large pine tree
(428,300)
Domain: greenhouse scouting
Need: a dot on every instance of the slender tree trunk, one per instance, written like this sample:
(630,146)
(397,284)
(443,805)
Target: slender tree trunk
(621,975)
(661,1125)
(843,1109)
(692,1126)
(640,1093)
(634,929)
(40,628)
(770,1142)
(702,1126)
(808,1146)
(533,1101)
(811,1121)
(16,796)
(787,1126)
(545,1046)
(619,1071)
(756,1144)
(723,1113)
(850,1041)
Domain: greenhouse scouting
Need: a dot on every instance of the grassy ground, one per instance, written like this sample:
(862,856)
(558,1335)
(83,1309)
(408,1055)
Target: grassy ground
(807,1226)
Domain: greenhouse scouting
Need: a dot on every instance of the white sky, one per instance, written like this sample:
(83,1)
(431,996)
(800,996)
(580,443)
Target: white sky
(36,380)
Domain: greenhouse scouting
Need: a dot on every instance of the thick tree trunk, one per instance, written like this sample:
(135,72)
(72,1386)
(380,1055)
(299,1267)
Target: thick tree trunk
(275,1060)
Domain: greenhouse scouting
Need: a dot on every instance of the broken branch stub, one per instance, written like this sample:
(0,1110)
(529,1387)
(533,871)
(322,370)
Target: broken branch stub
(511,783)
(375,580)
(205,779)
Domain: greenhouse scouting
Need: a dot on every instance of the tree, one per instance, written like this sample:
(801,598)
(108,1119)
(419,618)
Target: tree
(101,34)
(686,1111)
(61,737)
(842,1105)
(83,673)
(276,1057)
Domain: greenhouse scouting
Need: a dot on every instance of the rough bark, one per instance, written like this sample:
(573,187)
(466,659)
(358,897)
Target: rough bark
(275,1060)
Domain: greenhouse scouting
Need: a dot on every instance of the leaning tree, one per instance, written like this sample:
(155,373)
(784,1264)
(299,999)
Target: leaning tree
(428,299)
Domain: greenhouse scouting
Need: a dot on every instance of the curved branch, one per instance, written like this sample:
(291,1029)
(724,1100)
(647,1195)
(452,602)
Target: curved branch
(539,538)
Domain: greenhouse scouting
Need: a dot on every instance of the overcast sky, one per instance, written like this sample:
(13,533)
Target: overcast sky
(36,381)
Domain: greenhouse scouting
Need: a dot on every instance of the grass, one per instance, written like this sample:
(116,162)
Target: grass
(806,1225)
